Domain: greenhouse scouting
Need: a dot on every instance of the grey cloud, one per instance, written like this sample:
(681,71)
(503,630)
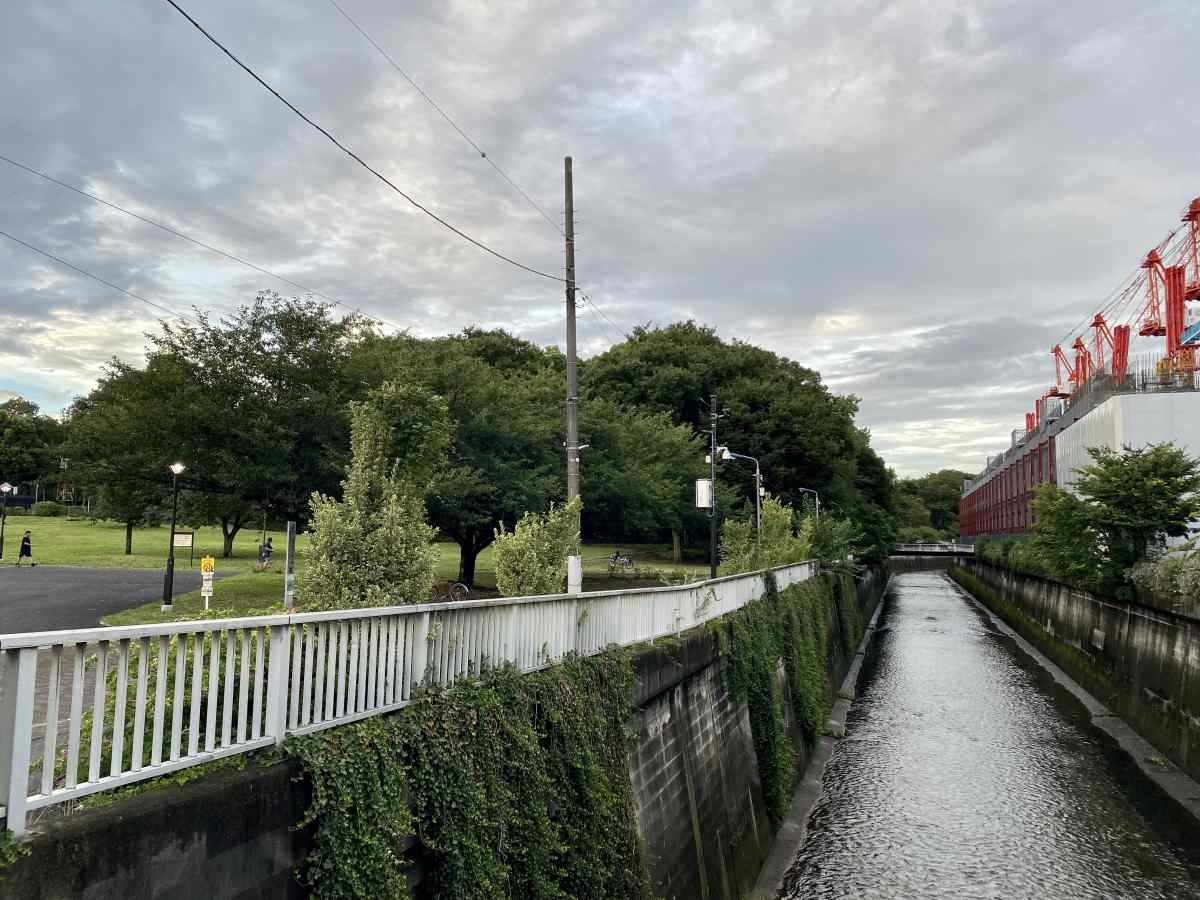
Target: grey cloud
(821,179)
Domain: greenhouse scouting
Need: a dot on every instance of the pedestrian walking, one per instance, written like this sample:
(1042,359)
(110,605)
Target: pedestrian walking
(26,551)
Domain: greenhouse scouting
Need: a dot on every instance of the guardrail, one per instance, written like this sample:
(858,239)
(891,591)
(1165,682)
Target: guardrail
(118,705)
(942,547)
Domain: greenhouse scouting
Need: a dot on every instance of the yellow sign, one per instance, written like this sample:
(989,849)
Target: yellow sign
(207,564)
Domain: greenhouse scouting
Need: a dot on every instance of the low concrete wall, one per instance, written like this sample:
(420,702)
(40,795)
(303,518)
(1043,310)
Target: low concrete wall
(699,803)
(1142,662)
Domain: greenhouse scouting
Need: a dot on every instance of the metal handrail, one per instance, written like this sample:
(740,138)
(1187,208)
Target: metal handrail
(247,683)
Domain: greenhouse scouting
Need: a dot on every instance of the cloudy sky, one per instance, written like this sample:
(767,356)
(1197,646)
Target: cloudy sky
(916,198)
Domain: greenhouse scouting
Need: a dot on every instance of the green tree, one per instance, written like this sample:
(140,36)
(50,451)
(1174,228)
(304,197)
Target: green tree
(1137,498)
(742,549)
(931,500)
(504,398)
(374,547)
(1065,538)
(532,558)
(29,442)
(777,410)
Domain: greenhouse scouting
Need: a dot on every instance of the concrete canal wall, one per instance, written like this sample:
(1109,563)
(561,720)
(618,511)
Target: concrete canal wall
(696,786)
(1143,663)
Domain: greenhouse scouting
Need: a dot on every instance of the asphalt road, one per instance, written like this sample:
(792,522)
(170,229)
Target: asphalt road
(47,598)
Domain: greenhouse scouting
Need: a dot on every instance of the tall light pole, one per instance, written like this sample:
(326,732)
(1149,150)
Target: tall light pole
(726,453)
(169,578)
(5,490)
(712,474)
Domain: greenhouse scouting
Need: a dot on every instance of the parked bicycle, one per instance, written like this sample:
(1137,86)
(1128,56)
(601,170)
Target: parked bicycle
(450,590)
(619,560)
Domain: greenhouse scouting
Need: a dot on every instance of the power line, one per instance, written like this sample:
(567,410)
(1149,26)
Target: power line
(196,241)
(358,159)
(85,272)
(592,303)
(445,115)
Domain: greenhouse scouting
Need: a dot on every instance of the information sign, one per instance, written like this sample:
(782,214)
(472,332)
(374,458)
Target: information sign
(208,566)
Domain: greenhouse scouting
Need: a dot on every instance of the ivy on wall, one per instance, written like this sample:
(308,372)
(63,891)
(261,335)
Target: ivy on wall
(517,786)
(793,626)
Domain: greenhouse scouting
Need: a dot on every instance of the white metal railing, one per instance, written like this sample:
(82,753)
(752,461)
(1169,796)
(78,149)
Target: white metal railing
(90,710)
(946,547)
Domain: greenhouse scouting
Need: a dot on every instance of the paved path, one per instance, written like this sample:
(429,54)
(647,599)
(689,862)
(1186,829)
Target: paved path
(47,598)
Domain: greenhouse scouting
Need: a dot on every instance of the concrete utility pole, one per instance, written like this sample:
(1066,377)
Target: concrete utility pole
(712,513)
(574,563)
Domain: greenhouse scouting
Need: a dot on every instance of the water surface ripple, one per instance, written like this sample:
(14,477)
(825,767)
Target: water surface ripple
(966,772)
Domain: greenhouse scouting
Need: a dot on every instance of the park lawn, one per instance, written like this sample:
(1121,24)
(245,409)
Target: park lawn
(81,542)
(261,593)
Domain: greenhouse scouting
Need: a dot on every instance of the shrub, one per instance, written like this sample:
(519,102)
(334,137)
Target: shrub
(16,511)
(48,508)
(532,558)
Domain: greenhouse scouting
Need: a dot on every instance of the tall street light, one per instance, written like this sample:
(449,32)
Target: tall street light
(727,454)
(5,490)
(169,579)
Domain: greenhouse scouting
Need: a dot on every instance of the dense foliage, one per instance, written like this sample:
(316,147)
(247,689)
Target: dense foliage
(374,547)
(927,507)
(255,404)
(793,626)
(1110,534)
(515,787)
(532,558)
(29,443)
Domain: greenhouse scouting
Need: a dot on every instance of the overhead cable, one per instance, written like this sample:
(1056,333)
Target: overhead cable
(196,241)
(445,115)
(85,272)
(358,159)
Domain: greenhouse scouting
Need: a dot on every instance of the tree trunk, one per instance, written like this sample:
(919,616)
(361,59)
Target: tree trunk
(229,530)
(466,561)
(676,547)
(128,538)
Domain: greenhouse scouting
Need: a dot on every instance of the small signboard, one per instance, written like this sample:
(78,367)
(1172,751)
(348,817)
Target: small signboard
(208,566)
(184,538)
(704,493)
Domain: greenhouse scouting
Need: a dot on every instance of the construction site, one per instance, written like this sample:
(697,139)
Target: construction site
(1128,380)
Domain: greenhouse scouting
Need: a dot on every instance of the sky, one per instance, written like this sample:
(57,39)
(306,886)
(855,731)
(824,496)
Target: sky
(916,199)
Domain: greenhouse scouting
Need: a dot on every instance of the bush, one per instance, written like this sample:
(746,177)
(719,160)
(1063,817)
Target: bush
(532,558)
(48,508)
(17,511)
(911,535)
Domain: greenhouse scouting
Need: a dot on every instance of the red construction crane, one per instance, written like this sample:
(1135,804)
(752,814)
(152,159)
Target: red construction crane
(1151,315)
(1192,251)
(1083,362)
(1061,364)
(1117,341)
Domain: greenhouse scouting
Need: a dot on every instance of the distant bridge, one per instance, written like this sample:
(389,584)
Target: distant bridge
(934,548)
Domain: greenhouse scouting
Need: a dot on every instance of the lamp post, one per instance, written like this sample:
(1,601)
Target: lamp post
(5,490)
(727,454)
(815,494)
(169,579)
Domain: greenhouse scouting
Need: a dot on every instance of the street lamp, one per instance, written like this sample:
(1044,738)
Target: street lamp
(169,579)
(815,494)
(5,490)
(726,454)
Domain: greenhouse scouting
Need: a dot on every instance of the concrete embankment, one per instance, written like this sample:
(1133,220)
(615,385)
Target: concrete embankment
(1141,663)
(697,790)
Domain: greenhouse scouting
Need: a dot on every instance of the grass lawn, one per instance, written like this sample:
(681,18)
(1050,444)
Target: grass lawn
(77,542)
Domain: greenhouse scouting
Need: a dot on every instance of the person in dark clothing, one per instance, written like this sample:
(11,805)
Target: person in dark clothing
(26,550)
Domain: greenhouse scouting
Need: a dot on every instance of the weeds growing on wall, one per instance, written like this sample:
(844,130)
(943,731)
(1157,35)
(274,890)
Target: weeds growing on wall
(792,626)
(517,786)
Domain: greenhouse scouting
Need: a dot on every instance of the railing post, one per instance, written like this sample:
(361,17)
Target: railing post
(16,718)
(278,665)
(510,635)
(420,651)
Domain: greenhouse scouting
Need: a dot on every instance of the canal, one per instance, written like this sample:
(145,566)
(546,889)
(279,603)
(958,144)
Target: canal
(968,772)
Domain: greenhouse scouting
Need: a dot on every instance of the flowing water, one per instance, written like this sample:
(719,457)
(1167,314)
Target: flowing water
(967,772)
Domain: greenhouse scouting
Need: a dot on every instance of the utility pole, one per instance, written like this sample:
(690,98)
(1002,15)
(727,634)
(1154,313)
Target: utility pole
(712,474)
(574,563)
